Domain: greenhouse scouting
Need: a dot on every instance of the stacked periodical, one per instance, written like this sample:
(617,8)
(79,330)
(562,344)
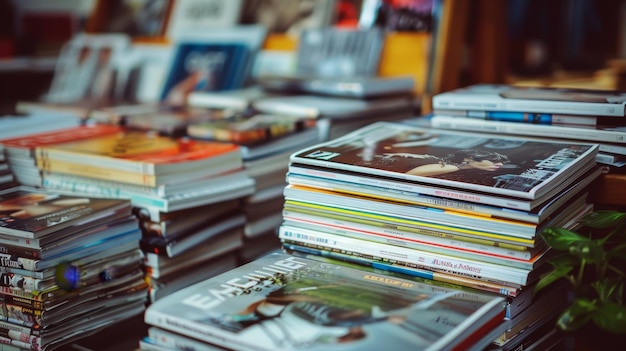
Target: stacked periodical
(459,207)
(165,178)
(575,115)
(71,266)
(286,302)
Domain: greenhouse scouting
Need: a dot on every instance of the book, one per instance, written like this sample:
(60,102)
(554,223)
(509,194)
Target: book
(214,310)
(144,153)
(502,97)
(606,134)
(34,213)
(535,118)
(453,161)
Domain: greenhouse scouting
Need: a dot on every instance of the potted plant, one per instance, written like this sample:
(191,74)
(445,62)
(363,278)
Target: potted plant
(592,257)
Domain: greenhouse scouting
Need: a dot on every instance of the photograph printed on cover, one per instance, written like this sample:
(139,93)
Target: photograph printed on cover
(307,308)
(499,163)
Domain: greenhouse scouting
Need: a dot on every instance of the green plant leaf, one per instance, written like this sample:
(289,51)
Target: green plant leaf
(610,289)
(603,219)
(576,315)
(562,239)
(559,271)
(611,317)
(590,250)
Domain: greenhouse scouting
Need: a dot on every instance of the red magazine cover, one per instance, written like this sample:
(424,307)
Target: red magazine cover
(23,145)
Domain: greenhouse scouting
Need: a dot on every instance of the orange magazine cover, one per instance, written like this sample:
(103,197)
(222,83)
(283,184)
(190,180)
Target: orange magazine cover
(145,152)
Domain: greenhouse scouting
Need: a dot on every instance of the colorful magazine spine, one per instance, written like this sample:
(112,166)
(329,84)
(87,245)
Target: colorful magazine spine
(419,258)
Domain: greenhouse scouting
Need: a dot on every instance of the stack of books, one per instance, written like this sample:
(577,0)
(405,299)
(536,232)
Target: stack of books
(459,207)
(285,302)
(574,115)
(71,266)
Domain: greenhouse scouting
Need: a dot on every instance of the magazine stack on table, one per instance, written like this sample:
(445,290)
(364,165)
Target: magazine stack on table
(460,207)
(170,181)
(282,301)
(266,142)
(575,115)
(71,266)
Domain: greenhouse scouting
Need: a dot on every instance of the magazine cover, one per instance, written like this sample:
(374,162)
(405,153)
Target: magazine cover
(284,302)
(33,213)
(502,97)
(201,66)
(454,160)
(24,145)
(144,152)
(248,129)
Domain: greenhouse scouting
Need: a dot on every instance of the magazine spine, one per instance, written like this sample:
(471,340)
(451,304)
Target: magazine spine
(414,198)
(419,258)
(95,171)
(367,260)
(175,247)
(398,235)
(79,184)
(410,243)
(451,100)
(45,155)
(19,251)
(416,225)
(514,128)
(417,212)
(518,204)
(7,260)
(195,330)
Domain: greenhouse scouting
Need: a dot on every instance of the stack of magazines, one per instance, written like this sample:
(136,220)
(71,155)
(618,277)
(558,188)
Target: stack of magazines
(71,266)
(171,183)
(459,207)
(266,142)
(574,115)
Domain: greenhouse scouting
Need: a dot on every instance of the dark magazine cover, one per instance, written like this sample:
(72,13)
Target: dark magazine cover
(506,166)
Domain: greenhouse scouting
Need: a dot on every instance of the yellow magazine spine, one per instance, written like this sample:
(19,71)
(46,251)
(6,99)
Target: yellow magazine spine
(409,226)
(96,172)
